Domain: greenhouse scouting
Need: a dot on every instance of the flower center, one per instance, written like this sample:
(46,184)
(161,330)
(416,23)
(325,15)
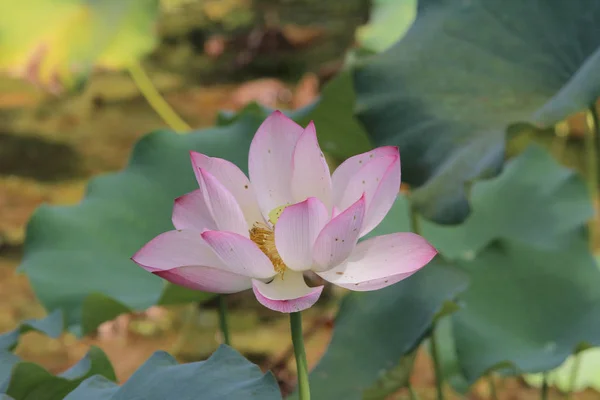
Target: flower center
(264,237)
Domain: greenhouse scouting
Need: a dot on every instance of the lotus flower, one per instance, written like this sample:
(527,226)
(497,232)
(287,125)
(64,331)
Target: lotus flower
(290,217)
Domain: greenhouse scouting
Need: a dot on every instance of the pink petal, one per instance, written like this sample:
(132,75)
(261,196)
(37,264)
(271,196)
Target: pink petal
(206,279)
(379,181)
(233,179)
(239,252)
(310,176)
(382,261)
(338,238)
(224,208)
(175,249)
(191,212)
(296,232)
(288,294)
(346,170)
(270,161)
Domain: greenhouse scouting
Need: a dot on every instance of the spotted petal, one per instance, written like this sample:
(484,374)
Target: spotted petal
(270,161)
(382,261)
(233,179)
(288,294)
(239,252)
(379,180)
(223,206)
(191,212)
(296,232)
(183,258)
(338,238)
(310,176)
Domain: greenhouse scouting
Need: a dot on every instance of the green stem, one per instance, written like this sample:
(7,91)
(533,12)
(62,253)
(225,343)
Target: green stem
(223,319)
(162,108)
(439,378)
(437,366)
(544,389)
(592,150)
(301,364)
(573,376)
(411,391)
(493,391)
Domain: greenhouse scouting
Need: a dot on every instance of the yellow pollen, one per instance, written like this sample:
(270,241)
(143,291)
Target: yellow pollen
(264,237)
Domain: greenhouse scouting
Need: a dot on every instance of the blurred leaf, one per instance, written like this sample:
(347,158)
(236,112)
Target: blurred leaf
(51,325)
(446,92)
(58,41)
(340,134)
(31,381)
(389,21)
(225,375)
(528,307)
(75,252)
(449,361)
(587,373)
(393,379)
(7,361)
(534,200)
(374,330)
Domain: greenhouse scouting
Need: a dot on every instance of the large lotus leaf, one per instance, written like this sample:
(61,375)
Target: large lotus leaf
(587,364)
(78,257)
(31,381)
(51,325)
(225,375)
(373,330)
(340,134)
(527,307)
(534,200)
(464,72)
(58,41)
(389,21)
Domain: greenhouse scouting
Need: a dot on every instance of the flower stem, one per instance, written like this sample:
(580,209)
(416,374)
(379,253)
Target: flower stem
(493,391)
(411,391)
(573,376)
(301,364)
(544,389)
(592,151)
(223,319)
(149,91)
(439,378)
(437,366)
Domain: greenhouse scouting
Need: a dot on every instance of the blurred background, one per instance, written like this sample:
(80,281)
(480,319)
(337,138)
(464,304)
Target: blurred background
(73,104)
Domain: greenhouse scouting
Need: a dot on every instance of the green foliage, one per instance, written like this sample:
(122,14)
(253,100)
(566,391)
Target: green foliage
(78,258)
(464,72)
(65,38)
(373,330)
(225,375)
(389,21)
(31,381)
(534,200)
(52,325)
(527,307)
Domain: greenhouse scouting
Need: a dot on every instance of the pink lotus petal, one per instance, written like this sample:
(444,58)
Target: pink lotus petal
(338,238)
(174,249)
(233,179)
(382,261)
(379,181)
(206,279)
(240,253)
(270,161)
(191,212)
(310,176)
(346,170)
(288,294)
(296,232)
(224,208)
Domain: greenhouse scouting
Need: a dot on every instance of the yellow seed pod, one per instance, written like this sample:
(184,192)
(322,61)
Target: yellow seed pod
(275,214)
